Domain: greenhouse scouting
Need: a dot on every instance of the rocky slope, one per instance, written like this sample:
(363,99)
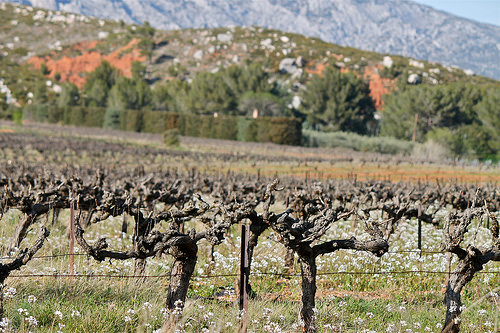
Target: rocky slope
(70,45)
(386,26)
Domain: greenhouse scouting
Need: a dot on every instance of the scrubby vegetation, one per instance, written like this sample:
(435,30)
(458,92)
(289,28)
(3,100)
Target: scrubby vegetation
(246,73)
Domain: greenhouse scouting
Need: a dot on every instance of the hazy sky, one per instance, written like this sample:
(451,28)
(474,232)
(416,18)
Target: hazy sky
(486,11)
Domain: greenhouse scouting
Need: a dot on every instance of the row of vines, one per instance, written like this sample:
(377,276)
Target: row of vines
(171,212)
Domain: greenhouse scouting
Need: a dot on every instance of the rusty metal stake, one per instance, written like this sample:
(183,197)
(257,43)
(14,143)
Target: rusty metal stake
(244,276)
(420,228)
(72,240)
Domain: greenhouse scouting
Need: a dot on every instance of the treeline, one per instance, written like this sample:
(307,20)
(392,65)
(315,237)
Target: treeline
(235,90)
(462,117)
(253,104)
(236,103)
(280,130)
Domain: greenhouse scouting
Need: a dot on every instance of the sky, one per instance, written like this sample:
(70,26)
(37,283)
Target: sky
(485,11)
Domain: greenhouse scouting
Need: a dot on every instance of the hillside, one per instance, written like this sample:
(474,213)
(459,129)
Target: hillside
(387,26)
(70,45)
(251,76)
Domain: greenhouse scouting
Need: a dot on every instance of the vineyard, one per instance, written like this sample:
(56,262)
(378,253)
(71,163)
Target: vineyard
(105,234)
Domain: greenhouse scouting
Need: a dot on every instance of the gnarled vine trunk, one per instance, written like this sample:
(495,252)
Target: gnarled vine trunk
(183,268)
(308,273)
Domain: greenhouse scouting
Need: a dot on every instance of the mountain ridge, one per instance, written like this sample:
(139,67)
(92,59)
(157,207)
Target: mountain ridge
(385,26)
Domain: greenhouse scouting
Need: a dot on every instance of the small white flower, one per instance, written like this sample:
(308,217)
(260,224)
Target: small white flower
(241,314)
(164,312)
(481,312)
(148,306)
(369,315)
(4,323)
(23,311)
(61,326)
(229,324)
(9,293)
(58,314)
(31,299)
(32,321)
(127,319)
(75,313)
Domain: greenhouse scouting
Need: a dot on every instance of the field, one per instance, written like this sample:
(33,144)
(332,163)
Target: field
(118,180)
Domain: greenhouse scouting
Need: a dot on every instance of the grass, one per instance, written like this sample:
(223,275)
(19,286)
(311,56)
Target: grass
(345,302)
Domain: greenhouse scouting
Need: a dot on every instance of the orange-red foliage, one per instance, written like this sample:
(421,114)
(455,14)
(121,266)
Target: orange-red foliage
(73,69)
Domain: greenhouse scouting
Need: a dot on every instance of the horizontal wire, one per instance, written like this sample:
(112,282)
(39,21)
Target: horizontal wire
(58,275)
(85,254)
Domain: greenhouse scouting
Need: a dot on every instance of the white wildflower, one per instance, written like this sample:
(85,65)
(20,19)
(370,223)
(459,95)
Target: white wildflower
(32,321)
(22,311)
(58,314)
(9,293)
(31,299)
(164,312)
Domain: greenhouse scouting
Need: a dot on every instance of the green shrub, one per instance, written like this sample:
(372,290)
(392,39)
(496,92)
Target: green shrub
(132,120)
(171,137)
(243,125)
(159,121)
(112,119)
(384,145)
(36,112)
(225,127)
(17,116)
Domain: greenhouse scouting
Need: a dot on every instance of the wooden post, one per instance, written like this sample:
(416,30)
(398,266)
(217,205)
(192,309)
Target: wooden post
(244,275)
(420,228)
(72,240)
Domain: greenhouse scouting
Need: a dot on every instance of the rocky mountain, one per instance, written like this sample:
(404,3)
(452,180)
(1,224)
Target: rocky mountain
(387,26)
